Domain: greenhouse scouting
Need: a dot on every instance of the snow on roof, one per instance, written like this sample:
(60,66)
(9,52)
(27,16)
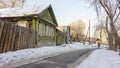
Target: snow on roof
(14,12)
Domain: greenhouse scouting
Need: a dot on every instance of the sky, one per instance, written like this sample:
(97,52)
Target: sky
(68,11)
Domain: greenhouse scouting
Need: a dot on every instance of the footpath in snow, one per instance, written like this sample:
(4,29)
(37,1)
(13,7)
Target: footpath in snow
(101,58)
(33,53)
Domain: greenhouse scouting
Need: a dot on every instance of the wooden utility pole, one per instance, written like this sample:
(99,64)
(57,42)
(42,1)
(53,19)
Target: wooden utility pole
(100,34)
(23,3)
(89,32)
(86,37)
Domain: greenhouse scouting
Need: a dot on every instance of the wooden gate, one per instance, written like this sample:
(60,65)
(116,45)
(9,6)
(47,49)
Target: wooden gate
(14,37)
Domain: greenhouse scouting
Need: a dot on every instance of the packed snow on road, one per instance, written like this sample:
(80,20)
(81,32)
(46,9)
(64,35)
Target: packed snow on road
(33,53)
(102,58)
(13,57)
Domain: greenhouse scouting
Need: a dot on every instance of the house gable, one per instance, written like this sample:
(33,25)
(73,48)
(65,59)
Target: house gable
(48,15)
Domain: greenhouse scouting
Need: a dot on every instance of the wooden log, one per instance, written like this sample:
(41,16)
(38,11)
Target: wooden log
(29,39)
(1,31)
(30,34)
(23,39)
(9,48)
(16,38)
(6,37)
(33,39)
(1,28)
(19,35)
(13,39)
(20,40)
(2,41)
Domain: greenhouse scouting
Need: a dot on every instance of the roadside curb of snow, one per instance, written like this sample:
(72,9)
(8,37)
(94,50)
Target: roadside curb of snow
(32,60)
(83,57)
(53,51)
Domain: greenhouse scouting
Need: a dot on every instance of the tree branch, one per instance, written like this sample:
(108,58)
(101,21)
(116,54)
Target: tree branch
(105,8)
(115,10)
(116,17)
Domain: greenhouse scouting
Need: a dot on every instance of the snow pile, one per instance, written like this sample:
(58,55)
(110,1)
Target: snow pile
(32,53)
(77,46)
(102,59)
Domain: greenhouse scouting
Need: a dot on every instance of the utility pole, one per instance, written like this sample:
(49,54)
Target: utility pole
(86,36)
(100,34)
(23,3)
(89,31)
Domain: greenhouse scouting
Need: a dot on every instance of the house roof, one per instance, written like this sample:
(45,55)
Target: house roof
(16,12)
(26,11)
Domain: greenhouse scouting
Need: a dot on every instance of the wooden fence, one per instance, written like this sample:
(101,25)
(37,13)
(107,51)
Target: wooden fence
(14,37)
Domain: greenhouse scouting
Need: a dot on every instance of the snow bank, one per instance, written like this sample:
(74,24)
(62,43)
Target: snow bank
(33,53)
(26,54)
(102,59)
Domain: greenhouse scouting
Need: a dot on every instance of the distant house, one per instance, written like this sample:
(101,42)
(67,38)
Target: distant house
(60,37)
(40,18)
(66,30)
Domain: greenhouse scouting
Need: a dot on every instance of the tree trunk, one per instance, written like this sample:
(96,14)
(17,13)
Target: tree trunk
(116,37)
(110,41)
(110,36)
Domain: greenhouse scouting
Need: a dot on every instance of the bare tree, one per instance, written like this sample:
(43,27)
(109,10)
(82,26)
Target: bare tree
(3,4)
(11,3)
(111,10)
(77,30)
(110,36)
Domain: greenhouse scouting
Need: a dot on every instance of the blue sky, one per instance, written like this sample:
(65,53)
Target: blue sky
(67,11)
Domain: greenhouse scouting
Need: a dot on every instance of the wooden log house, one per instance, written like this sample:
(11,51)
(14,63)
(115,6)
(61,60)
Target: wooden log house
(40,18)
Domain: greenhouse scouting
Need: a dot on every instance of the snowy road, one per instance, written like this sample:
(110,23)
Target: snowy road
(60,61)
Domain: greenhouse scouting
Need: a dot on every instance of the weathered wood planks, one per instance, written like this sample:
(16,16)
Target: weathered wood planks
(14,37)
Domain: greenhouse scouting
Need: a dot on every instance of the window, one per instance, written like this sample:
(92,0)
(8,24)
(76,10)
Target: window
(46,30)
(23,23)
